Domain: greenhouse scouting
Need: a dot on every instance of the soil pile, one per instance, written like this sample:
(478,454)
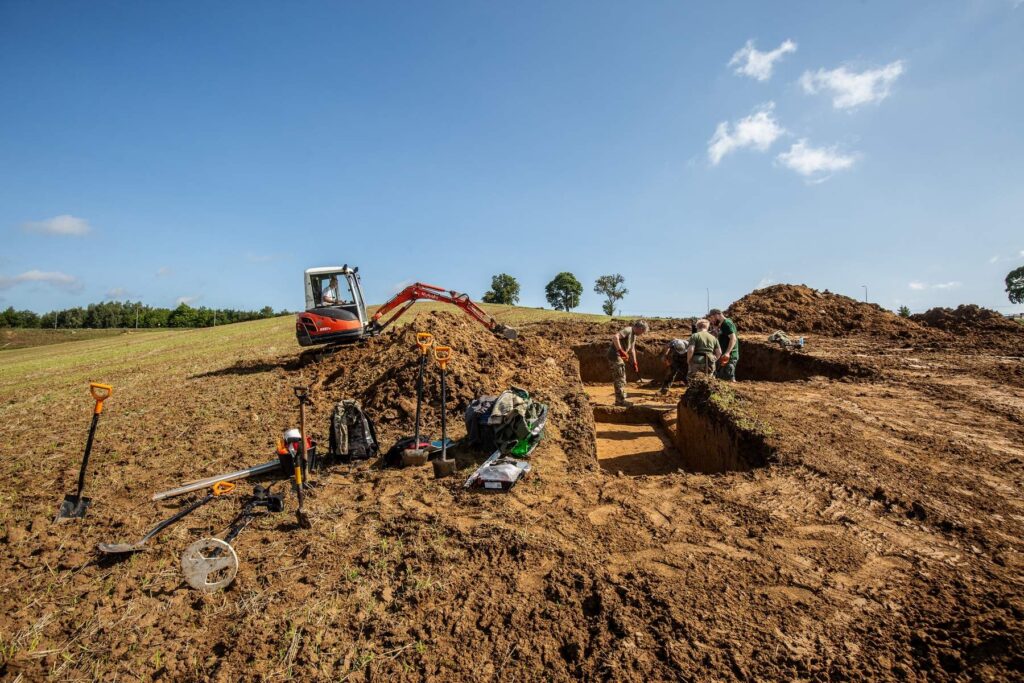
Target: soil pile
(800,309)
(382,375)
(967,318)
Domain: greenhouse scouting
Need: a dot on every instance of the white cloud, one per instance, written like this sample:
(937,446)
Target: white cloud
(756,64)
(53,278)
(997,258)
(759,130)
(815,163)
(764,282)
(59,225)
(116,292)
(851,89)
(187,300)
(164,271)
(921,286)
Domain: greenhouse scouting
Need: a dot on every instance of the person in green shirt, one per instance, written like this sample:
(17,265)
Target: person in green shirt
(729,340)
(622,346)
(704,351)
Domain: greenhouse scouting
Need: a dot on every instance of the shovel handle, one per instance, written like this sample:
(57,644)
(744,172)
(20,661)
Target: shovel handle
(100,393)
(222,488)
(442,354)
(424,340)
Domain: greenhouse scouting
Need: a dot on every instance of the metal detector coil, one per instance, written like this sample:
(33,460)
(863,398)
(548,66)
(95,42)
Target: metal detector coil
(209,564)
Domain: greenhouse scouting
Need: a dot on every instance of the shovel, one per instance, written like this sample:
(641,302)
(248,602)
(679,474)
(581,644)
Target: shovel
(443,467)
(75,506)
(417,455)
(221,488)
(300,460)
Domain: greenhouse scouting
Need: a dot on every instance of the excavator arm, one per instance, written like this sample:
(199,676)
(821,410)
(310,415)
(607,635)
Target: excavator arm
(418,290)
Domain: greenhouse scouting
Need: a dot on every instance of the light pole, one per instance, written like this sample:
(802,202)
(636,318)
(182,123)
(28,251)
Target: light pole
(865,293)
(708,292)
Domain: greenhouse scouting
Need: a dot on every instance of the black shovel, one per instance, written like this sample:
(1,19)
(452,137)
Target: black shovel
(221,488)
(75,506)
(443,467)
(417,455)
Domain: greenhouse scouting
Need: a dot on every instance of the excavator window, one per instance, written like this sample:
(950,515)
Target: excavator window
(326,295)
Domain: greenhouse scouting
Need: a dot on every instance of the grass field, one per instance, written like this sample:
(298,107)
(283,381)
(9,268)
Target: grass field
(111,353)
(25,338)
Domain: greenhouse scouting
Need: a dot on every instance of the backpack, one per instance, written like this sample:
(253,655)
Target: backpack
(353,436)
(511,422)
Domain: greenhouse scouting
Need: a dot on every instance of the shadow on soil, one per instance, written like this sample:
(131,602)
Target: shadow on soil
(252,368)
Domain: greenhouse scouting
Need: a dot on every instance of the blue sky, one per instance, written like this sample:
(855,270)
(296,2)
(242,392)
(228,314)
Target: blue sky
(209,152)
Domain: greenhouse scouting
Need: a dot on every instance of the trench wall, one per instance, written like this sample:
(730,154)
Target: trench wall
(711,439)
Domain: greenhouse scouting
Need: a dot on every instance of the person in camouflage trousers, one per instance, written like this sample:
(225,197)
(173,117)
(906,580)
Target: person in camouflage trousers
(622,349)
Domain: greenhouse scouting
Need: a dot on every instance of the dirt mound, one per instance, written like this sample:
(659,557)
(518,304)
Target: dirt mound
(800,309)
(382,374)
(967,318)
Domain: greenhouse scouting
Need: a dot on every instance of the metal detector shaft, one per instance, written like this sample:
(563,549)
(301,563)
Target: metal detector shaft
(210,481)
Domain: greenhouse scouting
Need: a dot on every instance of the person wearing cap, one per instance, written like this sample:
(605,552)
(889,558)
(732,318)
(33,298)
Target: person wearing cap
(621,349)
(729,340)
(703,352)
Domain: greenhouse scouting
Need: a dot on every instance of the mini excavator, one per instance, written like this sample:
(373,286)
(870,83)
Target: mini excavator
(336,312)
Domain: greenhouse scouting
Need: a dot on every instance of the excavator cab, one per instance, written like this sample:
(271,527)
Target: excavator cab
(335,310)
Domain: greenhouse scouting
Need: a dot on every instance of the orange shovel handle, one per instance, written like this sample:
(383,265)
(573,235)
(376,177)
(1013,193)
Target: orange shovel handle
(442,354)
(424,340)
(100,393)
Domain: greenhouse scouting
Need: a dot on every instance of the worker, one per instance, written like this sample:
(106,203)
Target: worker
(330,295)
(730,343)
(623,346)
(675,359)
(703,352)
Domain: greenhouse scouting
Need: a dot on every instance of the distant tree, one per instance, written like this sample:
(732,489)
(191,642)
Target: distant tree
(564,292)
(504,290)
(1015,285)
(610,287)
(904,311)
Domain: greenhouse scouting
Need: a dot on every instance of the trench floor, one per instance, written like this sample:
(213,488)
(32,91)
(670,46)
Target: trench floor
(646,395)
(636,449)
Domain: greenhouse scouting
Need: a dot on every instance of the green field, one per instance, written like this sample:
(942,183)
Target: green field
(510,315)
(24,338)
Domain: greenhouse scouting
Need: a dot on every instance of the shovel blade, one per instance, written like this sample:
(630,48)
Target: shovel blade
(444,468)
(119,548)
(413,457)
(73,507)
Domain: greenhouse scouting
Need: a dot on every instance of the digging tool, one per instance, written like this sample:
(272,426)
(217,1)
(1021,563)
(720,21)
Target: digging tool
(75,506)
(284,462)
(210,564)
(256,470)
(299,463)
(443,467)
(417,455)
(221,488)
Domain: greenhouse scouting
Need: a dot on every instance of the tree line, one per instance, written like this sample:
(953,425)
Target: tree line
(111,314)
(563,292)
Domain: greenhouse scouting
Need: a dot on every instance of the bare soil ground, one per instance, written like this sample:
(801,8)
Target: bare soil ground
(882,539)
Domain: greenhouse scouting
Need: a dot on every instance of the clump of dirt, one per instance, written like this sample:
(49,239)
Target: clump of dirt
(382,374)
(801,309)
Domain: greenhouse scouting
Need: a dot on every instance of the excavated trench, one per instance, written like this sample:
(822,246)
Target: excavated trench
(759,361)
(705,431)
